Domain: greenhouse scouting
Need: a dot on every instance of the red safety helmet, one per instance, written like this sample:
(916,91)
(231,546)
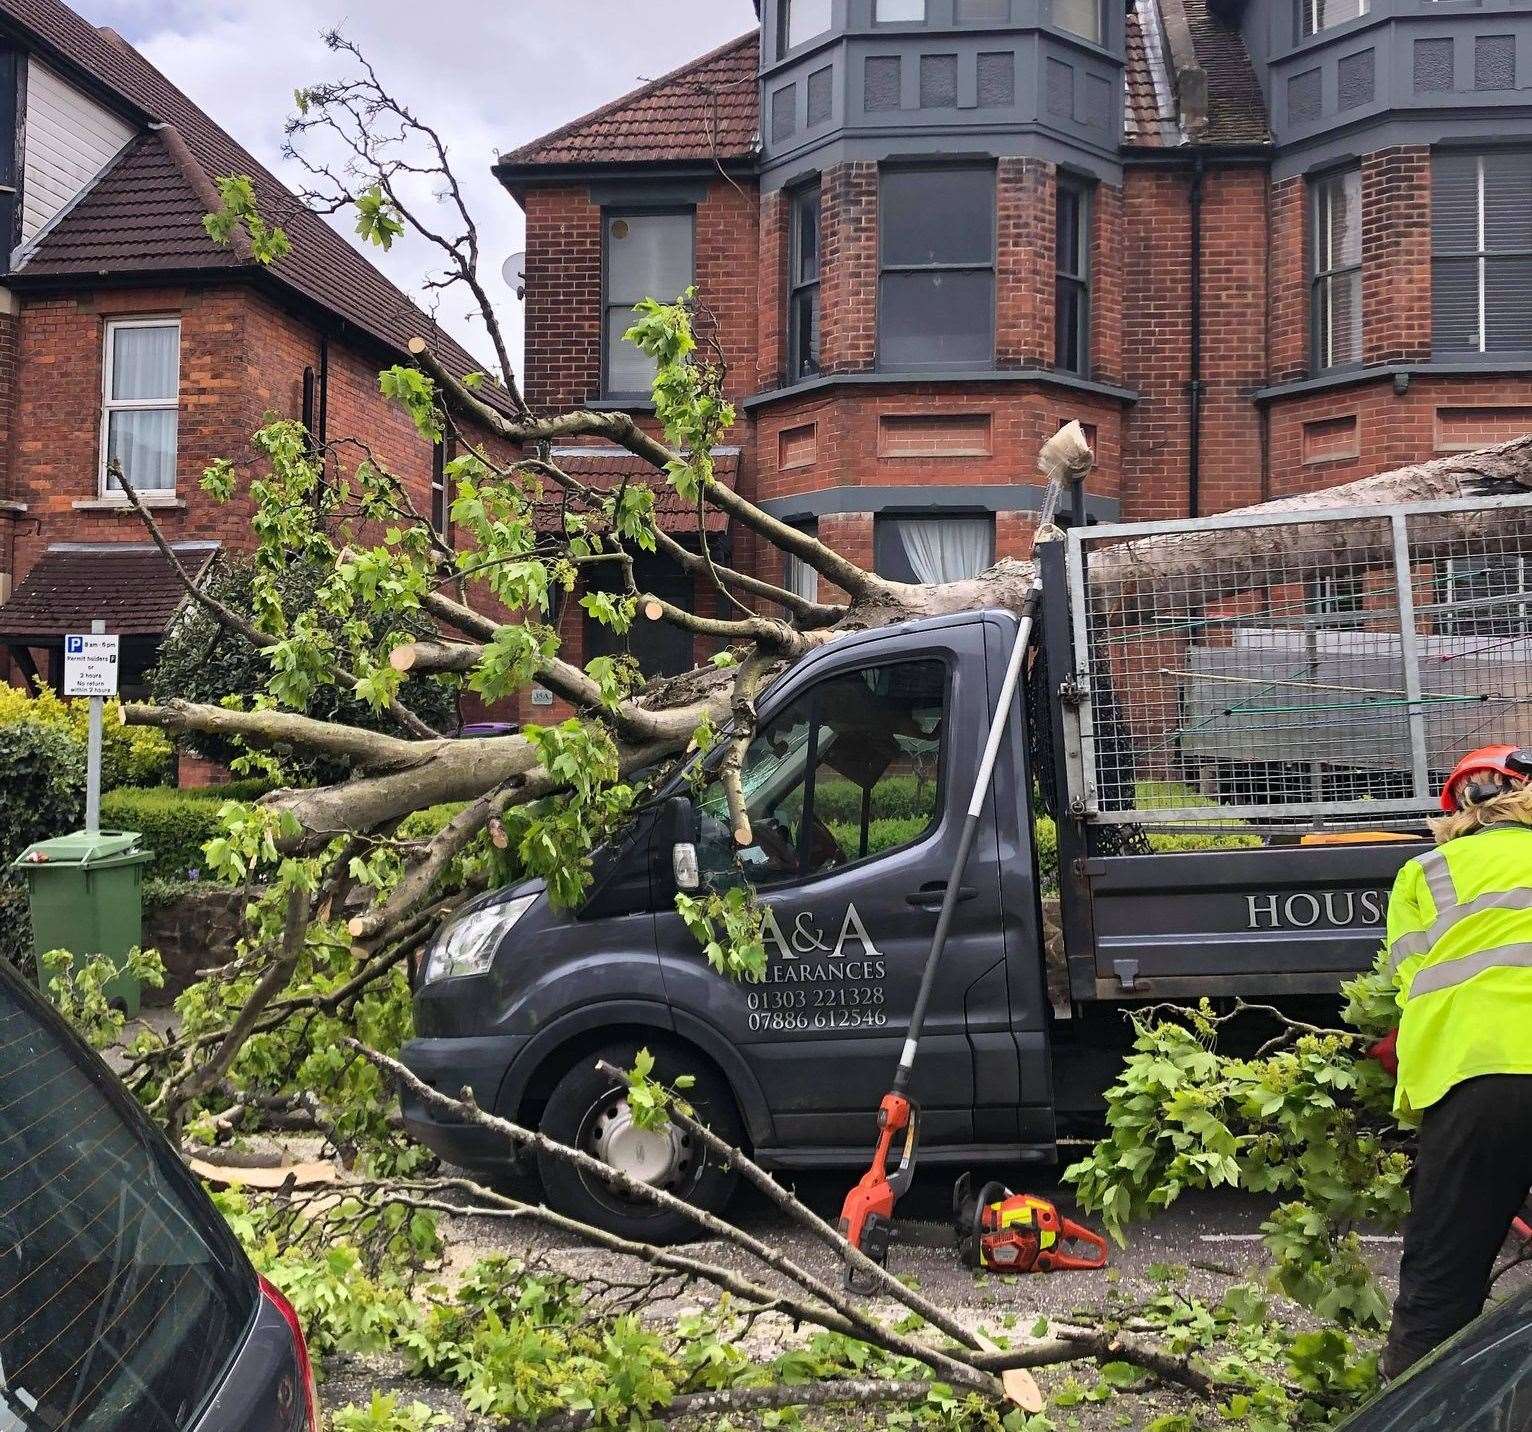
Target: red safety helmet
(1511,761)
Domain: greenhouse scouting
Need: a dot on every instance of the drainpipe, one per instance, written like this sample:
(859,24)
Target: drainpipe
(1194,387)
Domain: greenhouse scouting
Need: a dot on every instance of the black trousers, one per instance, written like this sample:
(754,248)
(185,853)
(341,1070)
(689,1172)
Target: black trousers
(1471,1177)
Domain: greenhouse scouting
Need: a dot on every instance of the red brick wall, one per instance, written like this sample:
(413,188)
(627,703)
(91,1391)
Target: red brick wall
(1024,264)
(1396,255)
(771,335)
(1157,293)
(1435,415)
(1233,335)
(1023,416)
(1106,269)
(849,285)
(563,278)
(1157,338)
(242,361)
(1288,338)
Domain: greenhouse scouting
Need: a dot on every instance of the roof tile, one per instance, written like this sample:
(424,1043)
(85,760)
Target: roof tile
(606,468)
(128,584)
(708,110)
(323,266)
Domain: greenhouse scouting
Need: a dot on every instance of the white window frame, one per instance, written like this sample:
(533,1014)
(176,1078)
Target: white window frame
(1462,624)
(110,405)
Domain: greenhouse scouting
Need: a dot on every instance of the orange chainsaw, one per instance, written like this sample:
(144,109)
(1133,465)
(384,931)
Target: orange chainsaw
(1004,1232)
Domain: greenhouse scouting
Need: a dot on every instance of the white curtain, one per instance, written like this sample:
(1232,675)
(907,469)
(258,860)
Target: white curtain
(141,403)
(946,549)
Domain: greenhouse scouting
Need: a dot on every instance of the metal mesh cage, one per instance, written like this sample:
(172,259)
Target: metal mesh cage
(1322,668)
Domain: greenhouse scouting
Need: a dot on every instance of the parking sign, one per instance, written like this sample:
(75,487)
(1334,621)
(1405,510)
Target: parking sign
(90,665)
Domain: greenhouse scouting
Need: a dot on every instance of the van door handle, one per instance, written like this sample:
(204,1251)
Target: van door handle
(930,897)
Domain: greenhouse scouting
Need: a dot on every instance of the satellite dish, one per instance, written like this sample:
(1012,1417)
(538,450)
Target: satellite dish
(514,272)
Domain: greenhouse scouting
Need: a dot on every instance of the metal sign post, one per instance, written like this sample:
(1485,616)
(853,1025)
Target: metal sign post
(90,670)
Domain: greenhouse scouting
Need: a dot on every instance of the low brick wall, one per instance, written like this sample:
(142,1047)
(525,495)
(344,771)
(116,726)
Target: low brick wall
(195,931)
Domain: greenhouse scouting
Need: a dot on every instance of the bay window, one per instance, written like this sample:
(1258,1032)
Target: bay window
(140,406)
(645,255)
(1481,252)
(1335,213)
(936,289)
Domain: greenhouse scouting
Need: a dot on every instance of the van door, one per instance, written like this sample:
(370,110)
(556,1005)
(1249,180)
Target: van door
(856,783)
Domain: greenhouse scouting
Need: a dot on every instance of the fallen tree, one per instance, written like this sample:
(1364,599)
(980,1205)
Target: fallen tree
(350,881)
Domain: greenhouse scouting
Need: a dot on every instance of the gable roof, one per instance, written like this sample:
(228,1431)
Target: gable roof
(157,181)
(708,110)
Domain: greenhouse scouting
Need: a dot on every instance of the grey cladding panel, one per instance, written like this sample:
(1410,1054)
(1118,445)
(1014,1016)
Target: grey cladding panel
(1433,66)
(1098,102)
(1061,89)
(881,84)
(1494,62)
(997,81)
(784,105)
(1356,77)
(821,95)
(938,81)
(1305,97)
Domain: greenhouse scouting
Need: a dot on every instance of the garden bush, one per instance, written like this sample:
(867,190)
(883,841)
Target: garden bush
(130,755)
(201,661)
(175,824)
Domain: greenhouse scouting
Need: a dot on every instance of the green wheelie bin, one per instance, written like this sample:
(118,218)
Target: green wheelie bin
(86,895)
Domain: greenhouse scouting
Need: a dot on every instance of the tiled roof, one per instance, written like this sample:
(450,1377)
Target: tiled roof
(707,110)
(142,215)
(1236,107)
(322,267)
(606,468)
(1148,108)
(128,584)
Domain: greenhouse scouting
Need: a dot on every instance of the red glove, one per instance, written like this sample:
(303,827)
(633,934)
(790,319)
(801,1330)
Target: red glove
(1386,1052)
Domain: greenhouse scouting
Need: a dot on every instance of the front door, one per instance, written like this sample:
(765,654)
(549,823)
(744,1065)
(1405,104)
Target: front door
(856,783)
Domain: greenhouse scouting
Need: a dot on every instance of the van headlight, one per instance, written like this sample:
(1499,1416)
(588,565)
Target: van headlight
(467,946)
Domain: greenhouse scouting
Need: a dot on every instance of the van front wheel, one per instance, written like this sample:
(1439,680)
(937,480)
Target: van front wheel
(589,1111)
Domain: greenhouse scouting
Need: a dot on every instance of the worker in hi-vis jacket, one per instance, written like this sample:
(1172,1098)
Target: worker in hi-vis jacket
(1460,943)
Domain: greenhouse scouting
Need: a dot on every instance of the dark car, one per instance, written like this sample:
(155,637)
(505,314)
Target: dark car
(1481,1381)
(125,1301)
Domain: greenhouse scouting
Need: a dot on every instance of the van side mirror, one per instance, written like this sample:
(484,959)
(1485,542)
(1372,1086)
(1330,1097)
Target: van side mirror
(681,822)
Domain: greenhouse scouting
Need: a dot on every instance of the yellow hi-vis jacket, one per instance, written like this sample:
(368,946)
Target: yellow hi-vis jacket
(1460,942)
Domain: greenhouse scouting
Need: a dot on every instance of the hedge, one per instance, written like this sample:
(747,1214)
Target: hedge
(175,824)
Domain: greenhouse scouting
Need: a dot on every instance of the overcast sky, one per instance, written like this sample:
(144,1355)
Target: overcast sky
(490,76)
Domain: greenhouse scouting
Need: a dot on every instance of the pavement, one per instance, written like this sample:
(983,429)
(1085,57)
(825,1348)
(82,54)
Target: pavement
(1204,1244)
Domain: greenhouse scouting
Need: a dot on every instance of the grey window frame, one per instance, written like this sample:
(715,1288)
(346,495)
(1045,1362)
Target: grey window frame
(925,15)
(991,268)
(1097,38)
(886,542)
(798,287)
(785,27)
(1325,274)
(1307,12)
(608,216)
(1482,256)
(1079,279)
(1484,622)
(961,19)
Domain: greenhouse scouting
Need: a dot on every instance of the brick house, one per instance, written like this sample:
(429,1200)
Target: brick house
(125,332)
(1255,248)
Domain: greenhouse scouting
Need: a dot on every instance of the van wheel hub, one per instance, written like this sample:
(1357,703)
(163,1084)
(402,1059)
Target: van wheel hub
(661,1157)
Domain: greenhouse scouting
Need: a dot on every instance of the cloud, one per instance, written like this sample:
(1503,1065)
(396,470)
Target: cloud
(489,77)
